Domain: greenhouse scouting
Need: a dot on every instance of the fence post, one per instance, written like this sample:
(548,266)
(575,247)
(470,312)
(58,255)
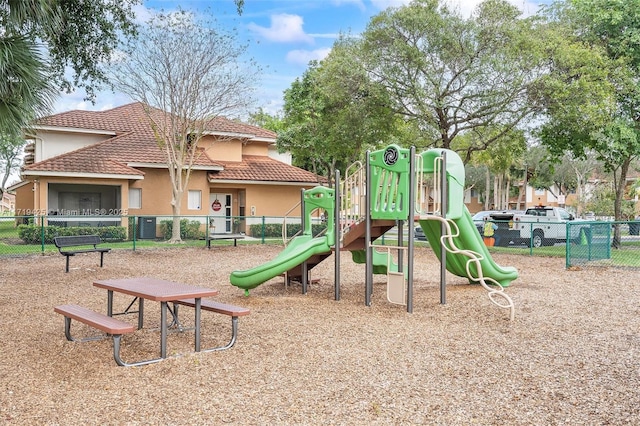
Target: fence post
(568,245)
(135,230)
(263,225)
(41,232)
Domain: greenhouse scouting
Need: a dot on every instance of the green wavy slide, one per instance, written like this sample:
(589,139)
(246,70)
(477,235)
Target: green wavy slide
(468,239)
(297,251)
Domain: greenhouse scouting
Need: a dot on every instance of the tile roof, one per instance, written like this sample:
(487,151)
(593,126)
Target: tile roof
(135,143)
(132,117)
(262,168)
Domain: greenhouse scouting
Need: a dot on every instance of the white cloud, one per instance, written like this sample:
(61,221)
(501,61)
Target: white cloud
(358,3)
(465,7)
(302,57)
(284,28)
(325,35)
(384,4)
(105,100)
(143,14)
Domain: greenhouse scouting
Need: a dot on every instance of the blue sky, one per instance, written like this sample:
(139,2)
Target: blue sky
(283,36)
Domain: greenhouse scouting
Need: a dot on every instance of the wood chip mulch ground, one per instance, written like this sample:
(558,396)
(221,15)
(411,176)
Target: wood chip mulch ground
(570,357)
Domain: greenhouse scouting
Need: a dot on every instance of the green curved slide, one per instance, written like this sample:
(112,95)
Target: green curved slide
(300,248)
(468,236)
(297,251)
(468,239)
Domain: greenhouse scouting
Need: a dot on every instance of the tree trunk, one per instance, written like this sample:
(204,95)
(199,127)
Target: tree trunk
(507,191)
(176,207)
(487,190)
(579,193)
(620,185)
(496,192)
(523,191)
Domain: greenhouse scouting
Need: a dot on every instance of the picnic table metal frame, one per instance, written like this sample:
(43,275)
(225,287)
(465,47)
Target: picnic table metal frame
(158,290)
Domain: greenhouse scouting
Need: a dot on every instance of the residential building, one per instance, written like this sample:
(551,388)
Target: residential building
(7,203)
(108,163)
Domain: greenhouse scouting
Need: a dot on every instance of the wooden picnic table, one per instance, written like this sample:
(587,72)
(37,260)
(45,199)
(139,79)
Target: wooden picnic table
(157,290)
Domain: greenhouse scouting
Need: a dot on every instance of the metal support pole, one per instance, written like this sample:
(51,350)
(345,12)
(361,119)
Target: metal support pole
(443,228)
(303,223)
(163,329)
(400,225)
(197,319)
(412,231)
(367,237)
(337,231)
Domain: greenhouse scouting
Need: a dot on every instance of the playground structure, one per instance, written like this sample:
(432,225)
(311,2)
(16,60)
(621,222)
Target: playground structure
(390,191)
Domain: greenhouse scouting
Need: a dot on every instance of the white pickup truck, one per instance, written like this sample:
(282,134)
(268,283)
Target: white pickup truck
(537,227)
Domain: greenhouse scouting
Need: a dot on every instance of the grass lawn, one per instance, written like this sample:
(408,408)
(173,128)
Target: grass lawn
(11,245)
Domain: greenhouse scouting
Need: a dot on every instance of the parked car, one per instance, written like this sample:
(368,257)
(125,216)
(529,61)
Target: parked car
(479,218)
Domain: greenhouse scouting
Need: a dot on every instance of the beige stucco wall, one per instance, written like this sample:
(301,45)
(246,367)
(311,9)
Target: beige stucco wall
(157,194)
(24,200)
(256,148)
(223,150)
(267,200)
(61,142)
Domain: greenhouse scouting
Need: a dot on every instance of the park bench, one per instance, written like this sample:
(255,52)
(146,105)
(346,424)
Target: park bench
(221,308)
(105,323)
(234,237)
(75,244)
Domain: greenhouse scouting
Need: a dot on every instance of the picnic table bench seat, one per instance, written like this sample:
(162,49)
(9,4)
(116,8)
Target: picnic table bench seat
(74,244)
(221,308)
(102,322)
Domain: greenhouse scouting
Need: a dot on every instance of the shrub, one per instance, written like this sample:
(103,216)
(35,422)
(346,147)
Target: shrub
(189,230)
(32,234)
(274,230)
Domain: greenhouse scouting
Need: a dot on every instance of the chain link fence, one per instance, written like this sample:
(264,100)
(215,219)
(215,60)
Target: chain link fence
(581,243)
(589,244)
(21,235)
(615,244)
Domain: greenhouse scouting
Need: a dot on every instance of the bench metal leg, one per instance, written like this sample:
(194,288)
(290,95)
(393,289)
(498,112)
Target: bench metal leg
(67,267)
(121,362)
(67,333)
(234,331)
(234,336)
(117,338)
(101,258)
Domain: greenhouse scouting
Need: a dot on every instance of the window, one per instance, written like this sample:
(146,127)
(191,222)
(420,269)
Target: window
(135,198)
(195,200)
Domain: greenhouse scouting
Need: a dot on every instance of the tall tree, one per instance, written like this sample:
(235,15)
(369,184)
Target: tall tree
(502,159)
(55,36)
(10,150)
(592,95)
(40,40)
(263,119)
(187,71)
(452,75)
(334,113)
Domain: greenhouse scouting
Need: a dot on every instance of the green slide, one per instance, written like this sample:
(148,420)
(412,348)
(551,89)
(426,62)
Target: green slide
(297,251)
(469,239)
(380,261)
